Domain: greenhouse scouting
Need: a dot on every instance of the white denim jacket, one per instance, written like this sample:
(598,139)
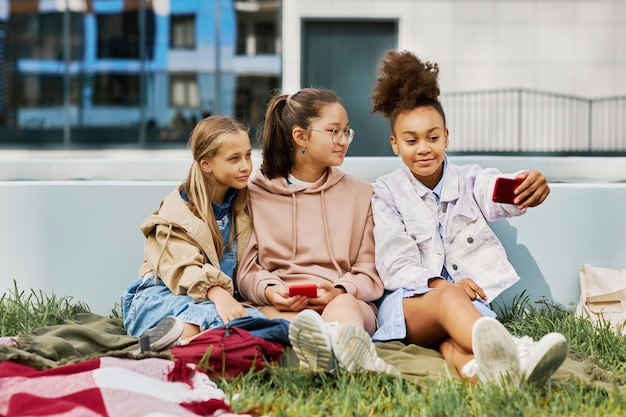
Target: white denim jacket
(409,248)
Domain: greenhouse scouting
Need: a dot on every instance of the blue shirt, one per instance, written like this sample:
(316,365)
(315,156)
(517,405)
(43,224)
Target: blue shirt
(437,193)
(223,217)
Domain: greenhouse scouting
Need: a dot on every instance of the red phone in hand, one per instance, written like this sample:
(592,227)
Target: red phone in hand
(503,191)
(308,290)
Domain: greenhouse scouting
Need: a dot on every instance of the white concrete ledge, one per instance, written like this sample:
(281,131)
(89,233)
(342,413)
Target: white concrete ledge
(82,238)
(172,165)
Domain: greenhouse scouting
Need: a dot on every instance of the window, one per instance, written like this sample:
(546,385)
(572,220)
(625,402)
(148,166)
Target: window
(184,91)
(183,32)
(255,38)
(265,38)
(242,38)
(116,90)
(251,97)
(40,36)
(118,35)
(46,90)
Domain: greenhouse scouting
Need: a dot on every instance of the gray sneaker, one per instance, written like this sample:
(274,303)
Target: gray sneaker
(310,339)
(495,352)
(544,358)
(163,336)
(355,351)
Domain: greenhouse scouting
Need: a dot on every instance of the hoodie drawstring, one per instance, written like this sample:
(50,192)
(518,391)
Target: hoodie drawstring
(327,235)
(294,233)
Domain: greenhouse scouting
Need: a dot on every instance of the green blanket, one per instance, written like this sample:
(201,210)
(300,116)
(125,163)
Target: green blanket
(90,335)
(421,364)
(85,337)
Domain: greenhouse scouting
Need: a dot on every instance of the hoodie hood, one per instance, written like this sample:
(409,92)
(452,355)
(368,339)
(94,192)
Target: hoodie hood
(174,213)
(280,186)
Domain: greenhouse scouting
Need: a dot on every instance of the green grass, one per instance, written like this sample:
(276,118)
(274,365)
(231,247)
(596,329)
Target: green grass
(285,392)
(24,311)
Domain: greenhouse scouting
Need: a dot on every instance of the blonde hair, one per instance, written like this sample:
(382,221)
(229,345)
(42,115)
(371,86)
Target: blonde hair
(205,140)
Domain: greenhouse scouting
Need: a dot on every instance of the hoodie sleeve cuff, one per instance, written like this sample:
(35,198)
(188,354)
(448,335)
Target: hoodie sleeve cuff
(348,286)
(262,286)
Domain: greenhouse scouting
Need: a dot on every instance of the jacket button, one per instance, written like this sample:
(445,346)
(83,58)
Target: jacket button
(455,267)
(444,208)
(413,237)
(470,240)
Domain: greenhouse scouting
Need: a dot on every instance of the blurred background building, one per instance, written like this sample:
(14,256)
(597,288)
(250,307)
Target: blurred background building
(517,76)
(132,72)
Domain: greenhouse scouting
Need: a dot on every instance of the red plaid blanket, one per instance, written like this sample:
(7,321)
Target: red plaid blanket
(110,386)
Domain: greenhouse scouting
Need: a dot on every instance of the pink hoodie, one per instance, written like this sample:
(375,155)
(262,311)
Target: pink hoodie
(310,234)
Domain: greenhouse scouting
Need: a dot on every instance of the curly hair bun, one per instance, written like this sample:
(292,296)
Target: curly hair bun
(404,82)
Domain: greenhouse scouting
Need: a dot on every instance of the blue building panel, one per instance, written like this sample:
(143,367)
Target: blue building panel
(211,61)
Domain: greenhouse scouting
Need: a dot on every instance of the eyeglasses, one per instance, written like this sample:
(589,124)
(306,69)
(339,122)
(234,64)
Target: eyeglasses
(336,135)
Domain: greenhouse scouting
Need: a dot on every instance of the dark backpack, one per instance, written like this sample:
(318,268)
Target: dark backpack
(228,351)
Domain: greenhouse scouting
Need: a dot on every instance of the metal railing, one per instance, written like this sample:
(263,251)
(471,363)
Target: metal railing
(529,121)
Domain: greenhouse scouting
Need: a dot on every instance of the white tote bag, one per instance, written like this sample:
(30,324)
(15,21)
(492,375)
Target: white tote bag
(603,296)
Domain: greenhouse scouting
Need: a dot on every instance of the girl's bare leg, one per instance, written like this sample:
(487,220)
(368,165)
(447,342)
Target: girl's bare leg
(345,309)
(272,312)
(189,332)
(342,309)
(442,319)
(457,356)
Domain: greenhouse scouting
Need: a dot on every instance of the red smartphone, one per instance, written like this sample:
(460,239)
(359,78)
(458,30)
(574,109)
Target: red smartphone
(308,290)
(503,191)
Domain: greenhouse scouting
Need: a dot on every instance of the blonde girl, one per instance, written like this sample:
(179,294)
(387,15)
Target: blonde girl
(194,242)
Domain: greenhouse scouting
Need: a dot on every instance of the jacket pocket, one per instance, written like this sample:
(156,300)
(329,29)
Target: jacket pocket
(429,244)
(463,224)
(423,234)
(420,231)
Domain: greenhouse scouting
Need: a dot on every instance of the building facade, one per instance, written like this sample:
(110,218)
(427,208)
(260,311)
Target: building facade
(517,76)
(135,72)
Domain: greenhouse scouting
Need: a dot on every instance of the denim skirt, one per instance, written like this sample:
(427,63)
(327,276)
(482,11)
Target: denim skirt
(145,303)
(391,321)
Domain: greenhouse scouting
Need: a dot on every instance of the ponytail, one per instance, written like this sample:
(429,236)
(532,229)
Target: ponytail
(284,113)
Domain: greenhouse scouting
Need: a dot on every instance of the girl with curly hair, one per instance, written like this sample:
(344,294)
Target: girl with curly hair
(439,260)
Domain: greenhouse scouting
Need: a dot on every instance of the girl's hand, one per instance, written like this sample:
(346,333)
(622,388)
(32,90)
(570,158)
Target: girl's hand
(326,295)
(472,289)
(280,299)
(227,307)
(532,191)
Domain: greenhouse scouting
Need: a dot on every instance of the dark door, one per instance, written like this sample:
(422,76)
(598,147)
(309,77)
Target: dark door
(344,56)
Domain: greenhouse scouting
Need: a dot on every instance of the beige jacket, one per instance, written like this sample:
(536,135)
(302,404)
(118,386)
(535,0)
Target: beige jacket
(179,249)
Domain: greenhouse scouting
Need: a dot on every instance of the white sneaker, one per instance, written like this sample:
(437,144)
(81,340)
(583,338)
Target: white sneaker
(354,350)
(470,369)
(495,352)
(544,358)
(310,339)
(163,336)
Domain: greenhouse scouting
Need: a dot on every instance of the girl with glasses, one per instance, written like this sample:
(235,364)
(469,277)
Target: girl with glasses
(313,225)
